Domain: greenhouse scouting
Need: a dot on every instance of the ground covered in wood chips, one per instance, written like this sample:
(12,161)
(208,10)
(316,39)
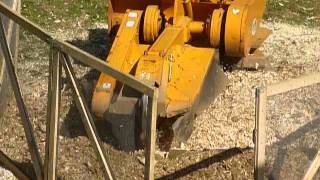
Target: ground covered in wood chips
(221,144)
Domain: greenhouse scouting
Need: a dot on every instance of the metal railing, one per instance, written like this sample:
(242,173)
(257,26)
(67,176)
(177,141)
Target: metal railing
(262,95)
(59,60)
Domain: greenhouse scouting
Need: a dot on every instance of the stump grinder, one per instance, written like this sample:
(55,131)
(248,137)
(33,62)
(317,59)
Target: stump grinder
(181,47)
(178,46)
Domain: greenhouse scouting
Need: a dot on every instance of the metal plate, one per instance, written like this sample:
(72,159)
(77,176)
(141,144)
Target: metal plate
(214,84)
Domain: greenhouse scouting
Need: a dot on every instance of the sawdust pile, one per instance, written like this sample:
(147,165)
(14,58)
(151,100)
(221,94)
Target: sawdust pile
(4,174)
(229,121)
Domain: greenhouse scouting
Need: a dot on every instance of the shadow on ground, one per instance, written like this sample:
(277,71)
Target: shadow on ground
(302,141)
(97,44)
(220,157)
(25,167)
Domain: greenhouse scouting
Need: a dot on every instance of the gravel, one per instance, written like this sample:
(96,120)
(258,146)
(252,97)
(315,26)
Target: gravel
(4,174)
(227,123)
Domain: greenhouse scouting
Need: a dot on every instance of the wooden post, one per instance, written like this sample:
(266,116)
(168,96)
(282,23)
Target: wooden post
(260,133)
(52,132)
(151,134)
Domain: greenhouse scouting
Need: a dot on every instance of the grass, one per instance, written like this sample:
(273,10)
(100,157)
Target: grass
(52,15)
(47,13)
(302,12)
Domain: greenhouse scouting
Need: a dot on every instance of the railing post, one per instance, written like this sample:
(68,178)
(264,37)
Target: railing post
(150,116)
(260,133)
(27,125)
(52,132)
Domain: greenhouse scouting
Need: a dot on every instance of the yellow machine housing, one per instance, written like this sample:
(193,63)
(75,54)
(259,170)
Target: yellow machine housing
(175,45)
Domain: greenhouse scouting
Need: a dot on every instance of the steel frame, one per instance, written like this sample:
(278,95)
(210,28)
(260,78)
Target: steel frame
(60,55)
(262,95)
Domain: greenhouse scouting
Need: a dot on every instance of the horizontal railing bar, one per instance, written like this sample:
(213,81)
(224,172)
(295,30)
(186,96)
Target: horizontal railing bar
(104,67)
(292,84)
(78,54)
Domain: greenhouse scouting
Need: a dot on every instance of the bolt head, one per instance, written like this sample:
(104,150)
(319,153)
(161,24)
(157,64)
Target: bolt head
(106,86)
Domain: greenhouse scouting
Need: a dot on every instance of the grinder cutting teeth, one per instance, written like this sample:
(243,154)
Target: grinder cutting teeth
(175,45)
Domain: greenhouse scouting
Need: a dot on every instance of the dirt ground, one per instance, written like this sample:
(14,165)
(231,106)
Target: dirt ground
(76,157)
(221,144)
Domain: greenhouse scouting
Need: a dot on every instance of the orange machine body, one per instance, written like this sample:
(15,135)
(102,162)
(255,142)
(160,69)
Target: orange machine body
(172,44)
